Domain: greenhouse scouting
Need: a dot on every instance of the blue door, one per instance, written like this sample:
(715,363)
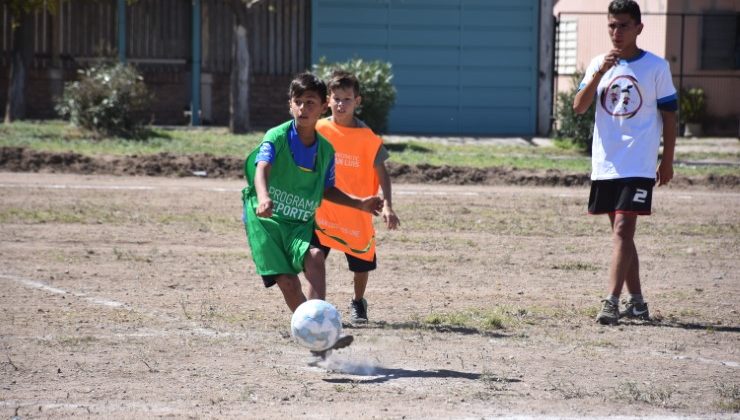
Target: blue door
(460,66)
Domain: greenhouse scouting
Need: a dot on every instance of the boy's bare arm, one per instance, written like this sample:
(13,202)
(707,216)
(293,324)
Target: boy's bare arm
(585,97)
(389,216)
(665,169)
(372,204)
(261,181)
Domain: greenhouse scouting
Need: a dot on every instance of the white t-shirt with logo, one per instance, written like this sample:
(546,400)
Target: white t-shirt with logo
(628,125)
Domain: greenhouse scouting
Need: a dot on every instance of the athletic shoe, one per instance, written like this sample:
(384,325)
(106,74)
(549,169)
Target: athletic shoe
(358,311)
(635,310)
(609,314)
(342,342)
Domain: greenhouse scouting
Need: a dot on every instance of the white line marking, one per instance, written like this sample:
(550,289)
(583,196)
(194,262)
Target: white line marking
(435,193)
(35,284)
(399,191)
(193,330)
(42,286)
(708,361)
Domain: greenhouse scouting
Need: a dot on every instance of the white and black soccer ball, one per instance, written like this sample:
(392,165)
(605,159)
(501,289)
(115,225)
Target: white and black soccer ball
(316,325)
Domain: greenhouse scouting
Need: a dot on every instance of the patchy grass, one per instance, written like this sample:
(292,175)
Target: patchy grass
(568,390)
(630,391)
(76,214)
(493,382)
(729,395)
(575,266)
(110,214)
(58,136)
(477,319)
(76,341)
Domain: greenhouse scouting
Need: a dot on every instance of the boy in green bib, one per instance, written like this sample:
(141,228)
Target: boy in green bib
(287,176)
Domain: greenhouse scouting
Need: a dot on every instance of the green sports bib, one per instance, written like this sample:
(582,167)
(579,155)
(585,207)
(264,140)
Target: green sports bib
(279,243)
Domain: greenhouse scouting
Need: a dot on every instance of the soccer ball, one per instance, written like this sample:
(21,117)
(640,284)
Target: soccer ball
(316,324)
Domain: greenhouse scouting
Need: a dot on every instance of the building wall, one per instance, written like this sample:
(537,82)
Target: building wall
(662,35)
(593,38)
(723,90)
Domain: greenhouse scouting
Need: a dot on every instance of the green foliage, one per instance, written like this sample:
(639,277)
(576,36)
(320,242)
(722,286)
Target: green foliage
(692,105)
(17,7)
(376,88)
(571,127)
(110,99)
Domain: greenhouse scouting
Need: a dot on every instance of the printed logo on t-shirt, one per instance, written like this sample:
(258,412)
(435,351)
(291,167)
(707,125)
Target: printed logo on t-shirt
(345,159)
(622,97)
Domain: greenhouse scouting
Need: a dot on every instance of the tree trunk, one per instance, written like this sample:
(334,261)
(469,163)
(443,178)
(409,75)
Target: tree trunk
(20,62)
(239,98)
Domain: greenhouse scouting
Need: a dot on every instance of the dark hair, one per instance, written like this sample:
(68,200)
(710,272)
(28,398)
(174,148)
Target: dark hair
(341,79)
(306,82)
(629,7)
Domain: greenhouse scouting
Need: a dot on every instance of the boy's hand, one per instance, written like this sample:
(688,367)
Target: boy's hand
(372,204)
(264,208)
(665,173)
(610,60)
(390,218)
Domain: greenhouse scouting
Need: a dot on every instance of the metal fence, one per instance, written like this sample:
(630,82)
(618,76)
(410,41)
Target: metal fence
(703,50)
(159,34)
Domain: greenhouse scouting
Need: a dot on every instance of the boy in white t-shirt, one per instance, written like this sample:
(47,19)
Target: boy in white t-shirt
(636,102)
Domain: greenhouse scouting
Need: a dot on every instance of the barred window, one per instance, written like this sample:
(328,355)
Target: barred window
(720,42)
(566,46)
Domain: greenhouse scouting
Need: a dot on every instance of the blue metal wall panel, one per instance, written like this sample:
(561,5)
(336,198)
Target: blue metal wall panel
(460,66)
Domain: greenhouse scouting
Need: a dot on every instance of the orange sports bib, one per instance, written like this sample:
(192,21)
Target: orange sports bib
(340,227)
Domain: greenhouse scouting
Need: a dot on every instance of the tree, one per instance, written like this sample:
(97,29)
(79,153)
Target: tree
(240,67)
(21,12)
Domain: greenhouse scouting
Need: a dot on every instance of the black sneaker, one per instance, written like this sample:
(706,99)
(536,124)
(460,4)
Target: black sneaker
(609,314)
(342,342)
(358,311)
(635,310)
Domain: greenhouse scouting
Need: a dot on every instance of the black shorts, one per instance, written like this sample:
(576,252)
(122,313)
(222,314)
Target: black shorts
(356,265)
(271,279)
(624,195)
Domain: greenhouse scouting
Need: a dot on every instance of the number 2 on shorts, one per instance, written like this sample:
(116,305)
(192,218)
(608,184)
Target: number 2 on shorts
(640,195)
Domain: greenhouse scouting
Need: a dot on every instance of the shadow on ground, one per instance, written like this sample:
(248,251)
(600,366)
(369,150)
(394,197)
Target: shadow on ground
(387,374)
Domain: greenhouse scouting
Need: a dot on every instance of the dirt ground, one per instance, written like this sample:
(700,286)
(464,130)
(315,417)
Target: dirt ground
(135,297)
(19,159)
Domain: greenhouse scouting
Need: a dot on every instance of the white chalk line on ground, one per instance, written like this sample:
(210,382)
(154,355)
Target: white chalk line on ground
(338,365)
(208,189)
(109,303)
(398,190)
(45,287)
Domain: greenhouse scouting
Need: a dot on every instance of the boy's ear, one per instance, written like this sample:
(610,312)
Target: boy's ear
(358,100)
(639,28)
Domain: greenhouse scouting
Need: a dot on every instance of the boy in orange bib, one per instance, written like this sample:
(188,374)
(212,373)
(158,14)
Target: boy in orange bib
(360,169)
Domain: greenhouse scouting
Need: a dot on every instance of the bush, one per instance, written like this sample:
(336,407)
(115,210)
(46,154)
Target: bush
(692,105)
(571,127)
(110,99)
(376,89)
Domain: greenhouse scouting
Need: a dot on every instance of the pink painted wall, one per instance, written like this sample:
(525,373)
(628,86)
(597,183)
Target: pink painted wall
(661,36)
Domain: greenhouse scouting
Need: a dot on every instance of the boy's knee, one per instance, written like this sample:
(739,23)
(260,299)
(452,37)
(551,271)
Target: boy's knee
(623,233)
(314,256)
(288,284)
